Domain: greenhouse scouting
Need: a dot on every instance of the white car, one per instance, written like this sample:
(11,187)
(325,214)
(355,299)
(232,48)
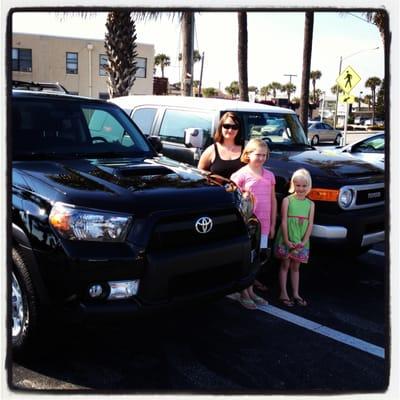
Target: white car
(322,132)
(370,149)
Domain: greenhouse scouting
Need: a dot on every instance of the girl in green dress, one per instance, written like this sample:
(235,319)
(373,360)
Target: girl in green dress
(292,241)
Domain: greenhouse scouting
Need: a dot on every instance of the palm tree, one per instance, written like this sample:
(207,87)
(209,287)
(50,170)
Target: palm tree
(289,88)
(187,25)
(242,56)
(378,18)
(196,56)
(120,44)
(314,75)
(373,83)
(264,91)
(187,28)
(163,61)
(305,76)
(233,89)
(274,86)
(367,99)
(335,87)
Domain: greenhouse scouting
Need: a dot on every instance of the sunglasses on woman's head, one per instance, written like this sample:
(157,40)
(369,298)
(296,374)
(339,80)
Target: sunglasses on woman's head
(229,126)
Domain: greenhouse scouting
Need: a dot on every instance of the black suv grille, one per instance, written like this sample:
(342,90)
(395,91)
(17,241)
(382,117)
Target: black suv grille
(370,196)
(178,231)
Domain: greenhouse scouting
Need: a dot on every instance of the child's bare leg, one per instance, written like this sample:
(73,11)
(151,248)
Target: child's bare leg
(295,277)
(295,280)
(283,272)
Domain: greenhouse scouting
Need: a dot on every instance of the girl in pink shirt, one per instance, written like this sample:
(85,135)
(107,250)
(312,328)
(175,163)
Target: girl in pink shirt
(260,182)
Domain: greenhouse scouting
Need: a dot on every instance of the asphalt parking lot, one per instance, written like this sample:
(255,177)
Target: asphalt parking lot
(337,344)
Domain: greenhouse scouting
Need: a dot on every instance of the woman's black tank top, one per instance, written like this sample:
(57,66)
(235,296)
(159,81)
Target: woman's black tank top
(225,168)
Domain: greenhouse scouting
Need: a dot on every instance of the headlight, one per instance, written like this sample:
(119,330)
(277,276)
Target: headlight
(91,225)
(345,197)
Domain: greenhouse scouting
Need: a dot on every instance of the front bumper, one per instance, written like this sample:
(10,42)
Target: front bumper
(167,278)
(354,229)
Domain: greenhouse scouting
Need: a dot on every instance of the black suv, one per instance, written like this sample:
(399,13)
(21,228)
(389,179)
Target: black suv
(102,225)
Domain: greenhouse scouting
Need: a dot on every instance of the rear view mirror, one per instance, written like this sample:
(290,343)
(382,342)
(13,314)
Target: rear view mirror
(194,137)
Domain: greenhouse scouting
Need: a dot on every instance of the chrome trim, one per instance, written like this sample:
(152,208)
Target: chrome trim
(372,238)
(355,189)
(329,232)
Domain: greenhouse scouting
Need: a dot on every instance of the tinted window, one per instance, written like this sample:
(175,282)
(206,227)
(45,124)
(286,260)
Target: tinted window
(144,118)
(175,122)
(57,127)
(276,128)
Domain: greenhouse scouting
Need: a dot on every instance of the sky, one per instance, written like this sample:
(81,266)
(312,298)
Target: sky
(275,44)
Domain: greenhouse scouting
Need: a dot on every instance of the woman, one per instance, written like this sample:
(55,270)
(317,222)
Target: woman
(223,157)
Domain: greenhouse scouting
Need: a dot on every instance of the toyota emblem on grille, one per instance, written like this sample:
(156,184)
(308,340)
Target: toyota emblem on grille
(204,225)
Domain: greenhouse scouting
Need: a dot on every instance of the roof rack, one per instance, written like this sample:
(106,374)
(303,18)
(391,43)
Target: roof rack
(39,86)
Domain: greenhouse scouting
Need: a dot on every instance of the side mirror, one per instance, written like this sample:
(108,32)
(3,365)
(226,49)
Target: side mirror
(156,143)
(194,137)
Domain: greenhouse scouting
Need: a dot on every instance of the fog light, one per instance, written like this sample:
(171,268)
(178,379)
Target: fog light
(95,291)
(122,289)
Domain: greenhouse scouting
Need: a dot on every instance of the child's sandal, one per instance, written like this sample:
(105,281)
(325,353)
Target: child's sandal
(286,302)
(300,302)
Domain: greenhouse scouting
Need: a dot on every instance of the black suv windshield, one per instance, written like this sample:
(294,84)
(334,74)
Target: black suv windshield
(61,127)
(276,128)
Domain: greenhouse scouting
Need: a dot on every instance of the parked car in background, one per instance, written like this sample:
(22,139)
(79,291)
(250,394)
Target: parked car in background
(349,194)
(323,132)
(370,149)
(377,122)
(360,120)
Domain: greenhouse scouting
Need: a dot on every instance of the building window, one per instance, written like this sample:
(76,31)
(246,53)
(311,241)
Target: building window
(141,65)
(104,95)
(103,60)
(22,60)
(72,63)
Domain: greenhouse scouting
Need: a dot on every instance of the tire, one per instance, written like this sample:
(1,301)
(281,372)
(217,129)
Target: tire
(24,305)
(337,139)
(315,140)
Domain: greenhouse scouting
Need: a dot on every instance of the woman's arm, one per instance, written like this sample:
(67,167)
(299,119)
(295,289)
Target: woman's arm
(206,158)
(310,225)
(274,206)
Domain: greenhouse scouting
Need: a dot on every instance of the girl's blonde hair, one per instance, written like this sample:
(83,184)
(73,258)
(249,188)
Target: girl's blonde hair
(301,173)
(253,144)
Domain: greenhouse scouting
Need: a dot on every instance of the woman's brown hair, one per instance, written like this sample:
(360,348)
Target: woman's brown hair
(218,137)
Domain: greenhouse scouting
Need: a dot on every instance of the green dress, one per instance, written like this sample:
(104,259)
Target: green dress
(297,224)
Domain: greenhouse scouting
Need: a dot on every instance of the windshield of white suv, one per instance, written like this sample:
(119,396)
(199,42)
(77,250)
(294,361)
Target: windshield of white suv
(275,128)
(43,127)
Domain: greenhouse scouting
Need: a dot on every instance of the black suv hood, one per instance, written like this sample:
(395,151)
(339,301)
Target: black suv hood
(325,164)
(122,184)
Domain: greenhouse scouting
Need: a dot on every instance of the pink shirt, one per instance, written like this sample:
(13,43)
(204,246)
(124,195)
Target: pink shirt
(261,188)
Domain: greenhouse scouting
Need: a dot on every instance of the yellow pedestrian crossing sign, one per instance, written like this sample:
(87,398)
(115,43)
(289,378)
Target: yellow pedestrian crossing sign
(348,79)
(347,98)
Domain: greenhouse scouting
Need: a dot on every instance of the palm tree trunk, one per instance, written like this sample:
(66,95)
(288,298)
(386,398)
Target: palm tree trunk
(187,52)
(305,77)
(242,56)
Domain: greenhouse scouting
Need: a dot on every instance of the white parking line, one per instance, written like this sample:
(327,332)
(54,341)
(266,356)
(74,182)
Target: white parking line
(377,252)
(325,331)
(322,330)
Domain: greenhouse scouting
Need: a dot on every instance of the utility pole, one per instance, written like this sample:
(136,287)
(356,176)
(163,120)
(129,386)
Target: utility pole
(290,75)
(201,74)
(290,81)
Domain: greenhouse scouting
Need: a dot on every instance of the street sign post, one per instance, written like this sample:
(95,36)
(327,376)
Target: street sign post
(347,80)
